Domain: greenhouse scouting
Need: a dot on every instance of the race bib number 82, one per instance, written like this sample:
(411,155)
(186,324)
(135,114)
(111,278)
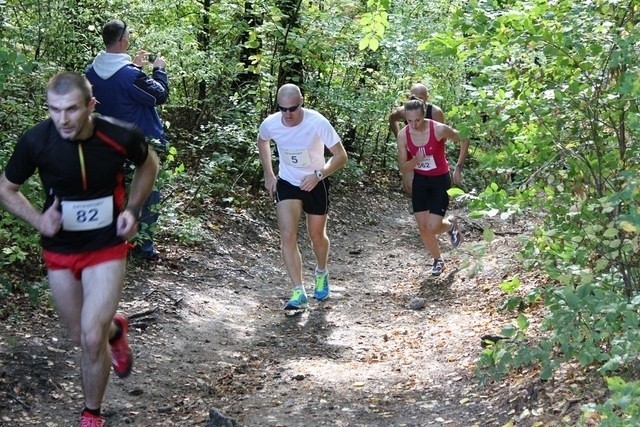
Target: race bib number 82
(82,215)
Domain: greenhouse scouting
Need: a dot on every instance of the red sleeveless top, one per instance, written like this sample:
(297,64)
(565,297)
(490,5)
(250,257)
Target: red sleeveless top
(435,162)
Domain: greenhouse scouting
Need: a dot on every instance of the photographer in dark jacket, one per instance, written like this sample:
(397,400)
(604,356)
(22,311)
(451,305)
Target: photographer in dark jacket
(125,92)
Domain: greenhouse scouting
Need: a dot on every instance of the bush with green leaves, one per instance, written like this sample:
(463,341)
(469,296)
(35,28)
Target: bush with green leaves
(20,244)
(558,85)
(622,408)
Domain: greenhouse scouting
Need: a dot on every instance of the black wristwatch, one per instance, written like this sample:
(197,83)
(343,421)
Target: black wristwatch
(319,175)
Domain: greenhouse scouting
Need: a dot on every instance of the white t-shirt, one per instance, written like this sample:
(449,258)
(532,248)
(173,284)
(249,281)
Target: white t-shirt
(301,147)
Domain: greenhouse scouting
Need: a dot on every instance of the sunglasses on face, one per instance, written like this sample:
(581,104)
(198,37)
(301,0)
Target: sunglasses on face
(290,109)
(124,30)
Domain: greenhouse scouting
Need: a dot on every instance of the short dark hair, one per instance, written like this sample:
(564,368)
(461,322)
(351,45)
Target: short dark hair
(113,31)
(67,81)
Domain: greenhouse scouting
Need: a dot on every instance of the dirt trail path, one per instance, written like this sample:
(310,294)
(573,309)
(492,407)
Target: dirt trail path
(209,332)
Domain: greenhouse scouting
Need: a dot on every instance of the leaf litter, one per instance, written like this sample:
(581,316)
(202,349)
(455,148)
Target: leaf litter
(392,347)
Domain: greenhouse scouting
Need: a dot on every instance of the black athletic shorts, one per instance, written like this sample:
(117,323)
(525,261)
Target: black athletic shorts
(430,193)
(314,202)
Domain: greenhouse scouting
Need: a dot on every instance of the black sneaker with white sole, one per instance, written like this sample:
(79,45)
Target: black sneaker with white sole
(438,266)
(455,234)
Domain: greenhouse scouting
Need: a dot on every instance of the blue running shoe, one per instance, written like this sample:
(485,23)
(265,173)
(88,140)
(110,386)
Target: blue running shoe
(298,300)
(321,289)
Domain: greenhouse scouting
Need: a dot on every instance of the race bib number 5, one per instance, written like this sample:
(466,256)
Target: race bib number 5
(296,158)
(83,215)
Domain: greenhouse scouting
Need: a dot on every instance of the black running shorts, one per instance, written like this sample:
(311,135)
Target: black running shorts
(314,202)
(430,193)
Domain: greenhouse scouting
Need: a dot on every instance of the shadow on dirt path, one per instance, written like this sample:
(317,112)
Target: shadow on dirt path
(208,331)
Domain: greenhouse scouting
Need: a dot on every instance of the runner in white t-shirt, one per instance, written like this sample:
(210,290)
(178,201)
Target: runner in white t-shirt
(300,135)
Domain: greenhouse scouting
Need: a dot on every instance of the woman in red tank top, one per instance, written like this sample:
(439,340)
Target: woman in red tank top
(421,149)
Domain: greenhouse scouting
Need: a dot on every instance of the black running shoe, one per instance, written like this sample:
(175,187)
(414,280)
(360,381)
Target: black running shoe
(454,233)
(438,266)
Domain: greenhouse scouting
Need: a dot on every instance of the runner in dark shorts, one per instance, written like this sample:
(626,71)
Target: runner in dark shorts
(431,193)
(314,202)
(421,149)
(433,112)
(301,136)
(86,222)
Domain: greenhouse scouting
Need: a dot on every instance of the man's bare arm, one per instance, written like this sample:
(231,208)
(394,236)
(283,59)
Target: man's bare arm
(143,181)
(437,114)
(12,199)
(394,118)
(337,161)
(444,131)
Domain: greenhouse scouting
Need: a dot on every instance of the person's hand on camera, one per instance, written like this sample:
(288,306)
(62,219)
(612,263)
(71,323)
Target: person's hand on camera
(159,61)
(140,58)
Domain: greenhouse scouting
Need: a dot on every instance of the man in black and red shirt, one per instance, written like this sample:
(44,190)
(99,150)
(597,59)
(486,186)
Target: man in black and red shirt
(86,221)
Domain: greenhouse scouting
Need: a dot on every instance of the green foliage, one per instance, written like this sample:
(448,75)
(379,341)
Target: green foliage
(5,286)
(19,242)
(622,408)
(494,201)
(167,182)
(548,92)
(373,25)
(16,238)
(187,230)
(499,358)
(552,99)
(205,51)
(35,291)
(11,62)
(53,33)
